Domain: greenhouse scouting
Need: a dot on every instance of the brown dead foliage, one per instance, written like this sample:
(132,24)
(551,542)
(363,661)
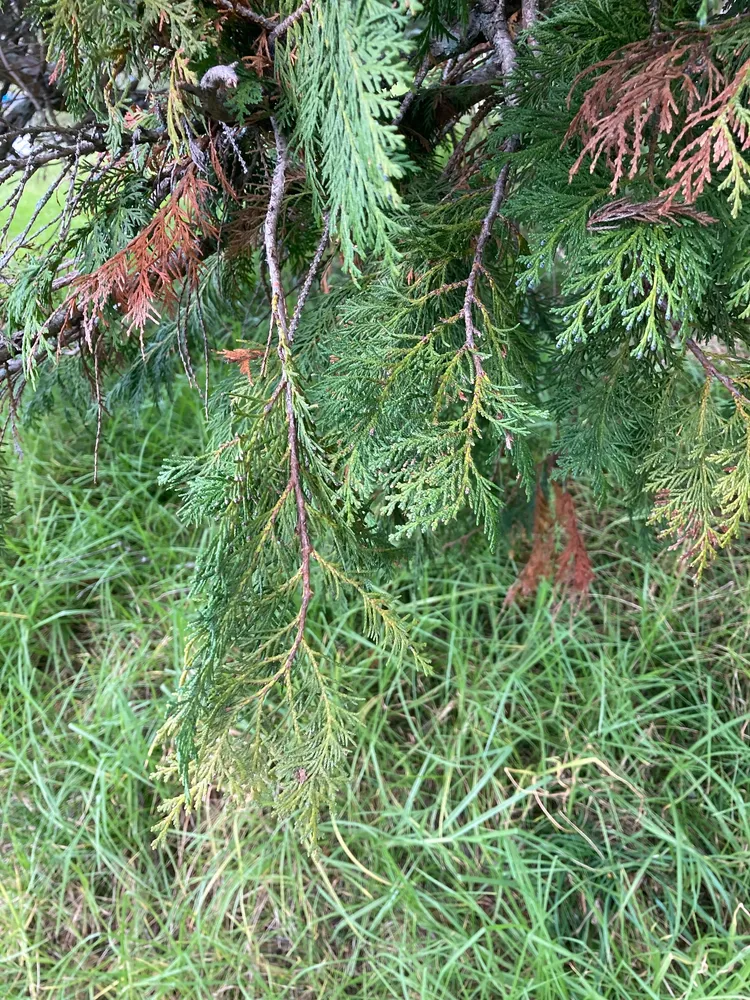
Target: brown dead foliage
(643,91)
(671,86)
(725,136)
(243,356)
(574,570)
(655,211)
(541,559)
(144,278)
(571,567)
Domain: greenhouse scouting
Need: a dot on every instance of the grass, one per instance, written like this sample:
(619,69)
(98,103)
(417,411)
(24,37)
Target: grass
(560,811)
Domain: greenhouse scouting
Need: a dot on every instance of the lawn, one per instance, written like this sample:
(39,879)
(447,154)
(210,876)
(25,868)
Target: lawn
(558,811)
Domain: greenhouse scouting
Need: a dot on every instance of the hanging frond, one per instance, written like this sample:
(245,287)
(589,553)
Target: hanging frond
(142,279)
(642,92)
(348,60)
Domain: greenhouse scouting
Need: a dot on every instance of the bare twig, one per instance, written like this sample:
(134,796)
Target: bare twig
(462,63)
(309,278)
(498,196)
(484,109)
(286,24)
(406,103)
(18,242)
(714,372)
(529,13)
(270,229)
(248,14)
(274,396)
(15,197)
(61,143)
(496,31)
(654,12)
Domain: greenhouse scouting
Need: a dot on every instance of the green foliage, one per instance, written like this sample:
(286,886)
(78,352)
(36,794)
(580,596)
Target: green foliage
(605,404)
(93,42)
(246,96)
(702,489)
(445,265)
(349,59)
(640,278)
(252,629)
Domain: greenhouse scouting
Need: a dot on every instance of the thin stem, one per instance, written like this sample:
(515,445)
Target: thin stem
(654,11)
(99,409)
(484,109)
(270,229)
(250,15)
(14,199)
(286,24)
(714,372)
(18,242)
(278,299)
(498,33)
(412,93)
(304,536)
(310,277)
(498,196)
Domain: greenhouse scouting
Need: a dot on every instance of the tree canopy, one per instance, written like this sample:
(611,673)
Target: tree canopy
(457,255)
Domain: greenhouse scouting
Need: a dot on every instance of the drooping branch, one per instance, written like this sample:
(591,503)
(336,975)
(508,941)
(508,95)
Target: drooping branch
(280,315)
(498,196)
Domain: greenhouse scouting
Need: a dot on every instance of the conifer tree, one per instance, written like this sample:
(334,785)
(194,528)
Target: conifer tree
(456,254)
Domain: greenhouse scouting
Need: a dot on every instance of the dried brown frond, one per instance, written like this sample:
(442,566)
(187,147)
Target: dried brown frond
(541,560)
(144,277)
(242,356)
(644,91)
(658,210)
(262,59)
(726,135)
(574,569)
